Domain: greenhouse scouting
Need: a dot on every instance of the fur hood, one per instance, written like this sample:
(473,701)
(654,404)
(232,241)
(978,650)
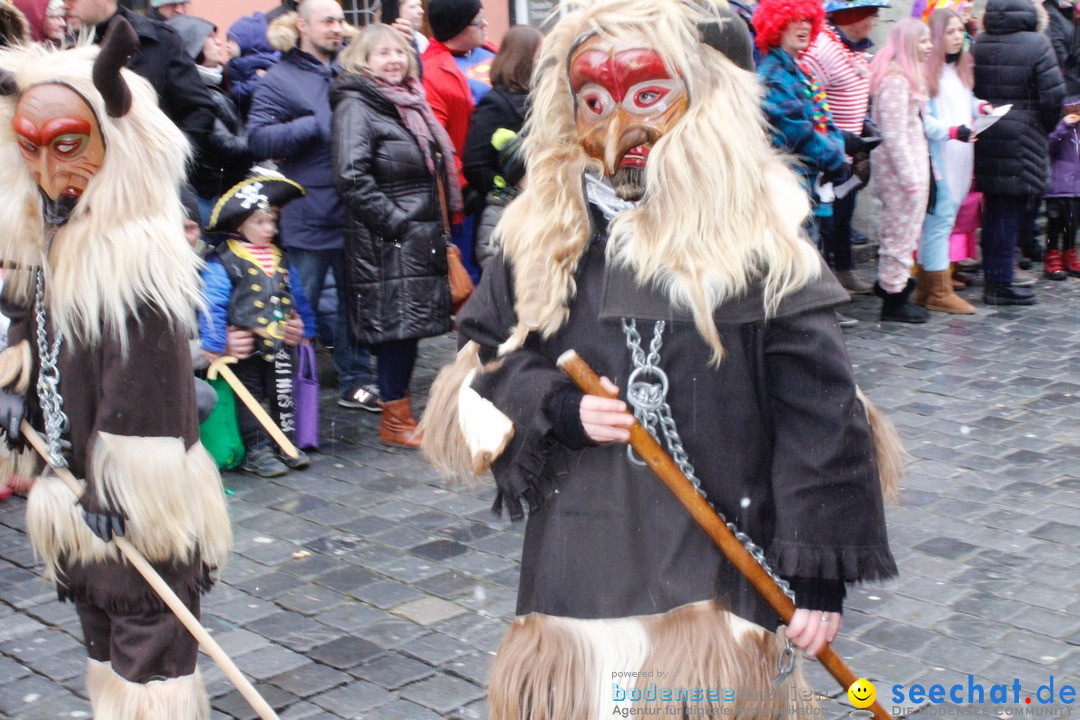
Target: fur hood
(283,35)
(1004,17)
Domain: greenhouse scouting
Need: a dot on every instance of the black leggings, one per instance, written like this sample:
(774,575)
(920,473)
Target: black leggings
(1062,215)
(396,359)
(271,384)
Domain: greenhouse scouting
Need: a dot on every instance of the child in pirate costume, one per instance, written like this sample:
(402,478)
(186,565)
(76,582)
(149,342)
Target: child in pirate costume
(659,237)
(247,287)
(100,285)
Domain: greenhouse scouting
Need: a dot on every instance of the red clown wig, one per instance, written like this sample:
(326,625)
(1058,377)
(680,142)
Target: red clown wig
(772,17)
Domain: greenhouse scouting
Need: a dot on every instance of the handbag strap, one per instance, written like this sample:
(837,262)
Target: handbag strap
(440,167)
(307,363)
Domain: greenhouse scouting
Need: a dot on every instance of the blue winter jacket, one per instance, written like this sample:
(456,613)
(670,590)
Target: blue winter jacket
(289,122)
(217,289)
(789,110)
(255,54)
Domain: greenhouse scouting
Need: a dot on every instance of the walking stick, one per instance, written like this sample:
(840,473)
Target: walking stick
(649,450)
(221,367)
(133,556)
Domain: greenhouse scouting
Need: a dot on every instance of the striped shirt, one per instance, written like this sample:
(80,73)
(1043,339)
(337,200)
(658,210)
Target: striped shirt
(266,255)
(844,74)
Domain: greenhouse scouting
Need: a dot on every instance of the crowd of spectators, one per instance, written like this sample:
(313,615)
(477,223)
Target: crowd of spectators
(402,142)
(949,120)
(372,157)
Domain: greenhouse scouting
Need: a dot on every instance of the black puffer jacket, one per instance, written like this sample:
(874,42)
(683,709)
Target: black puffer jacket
(224,160)
(500,108)
(1015,63)
(1065,41)
(395,252)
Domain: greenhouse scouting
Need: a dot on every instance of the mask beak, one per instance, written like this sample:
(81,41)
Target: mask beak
(624,134)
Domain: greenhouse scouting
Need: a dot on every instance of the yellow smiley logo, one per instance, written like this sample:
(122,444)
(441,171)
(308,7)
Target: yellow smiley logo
(862,693)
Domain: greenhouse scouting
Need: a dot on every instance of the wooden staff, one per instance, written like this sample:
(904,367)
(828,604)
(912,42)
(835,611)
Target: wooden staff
(133,556)
(221,367)
(649,450)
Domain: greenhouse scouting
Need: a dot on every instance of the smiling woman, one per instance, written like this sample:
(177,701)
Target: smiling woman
(390,159)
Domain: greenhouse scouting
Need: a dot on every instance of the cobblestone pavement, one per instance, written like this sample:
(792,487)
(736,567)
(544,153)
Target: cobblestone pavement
(363,588)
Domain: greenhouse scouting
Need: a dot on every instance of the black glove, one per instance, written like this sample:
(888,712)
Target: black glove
(963,133)
(870,129)
(871,136)
(860,167)
(12,412)
(104,524)
(205,399)
(853,144)
(838,176)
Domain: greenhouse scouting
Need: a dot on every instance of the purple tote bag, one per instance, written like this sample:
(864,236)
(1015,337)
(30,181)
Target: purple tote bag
(306,399)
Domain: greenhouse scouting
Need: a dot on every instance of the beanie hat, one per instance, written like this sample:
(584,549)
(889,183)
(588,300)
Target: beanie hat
(159,3)
(193,32)
(448,18)
(34,12)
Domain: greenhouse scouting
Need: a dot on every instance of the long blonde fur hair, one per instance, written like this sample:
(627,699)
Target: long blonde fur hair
(721,208)
(123,247)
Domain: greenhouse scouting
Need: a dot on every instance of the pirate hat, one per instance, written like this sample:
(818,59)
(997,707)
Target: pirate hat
(262,191)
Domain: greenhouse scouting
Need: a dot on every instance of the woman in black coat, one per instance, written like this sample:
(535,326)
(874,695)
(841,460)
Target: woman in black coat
(492,164)
(223,159)
(390,156)
(1014,64)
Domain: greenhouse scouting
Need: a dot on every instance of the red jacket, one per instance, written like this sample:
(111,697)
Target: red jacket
(449,96)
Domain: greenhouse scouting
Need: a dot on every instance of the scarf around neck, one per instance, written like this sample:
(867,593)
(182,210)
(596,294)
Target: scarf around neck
(211,77)
(415,113)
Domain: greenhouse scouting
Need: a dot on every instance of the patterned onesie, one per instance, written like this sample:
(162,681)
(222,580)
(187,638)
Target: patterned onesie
(901,178)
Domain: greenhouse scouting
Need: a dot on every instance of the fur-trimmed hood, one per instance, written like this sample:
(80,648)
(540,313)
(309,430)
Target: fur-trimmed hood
(1004,17)
(283,35)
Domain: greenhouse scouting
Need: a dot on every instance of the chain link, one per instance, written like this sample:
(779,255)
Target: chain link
(48,382)
(649,400)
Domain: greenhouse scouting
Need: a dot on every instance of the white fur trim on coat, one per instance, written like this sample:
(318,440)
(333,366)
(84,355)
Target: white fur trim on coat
(173,498)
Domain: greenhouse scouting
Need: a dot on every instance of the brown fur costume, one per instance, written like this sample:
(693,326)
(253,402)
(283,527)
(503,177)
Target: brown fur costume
(122,286)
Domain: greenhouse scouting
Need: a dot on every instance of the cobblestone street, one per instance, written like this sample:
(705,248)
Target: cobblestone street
(364,588)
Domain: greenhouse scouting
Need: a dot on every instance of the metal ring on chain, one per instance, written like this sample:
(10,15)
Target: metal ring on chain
(647,396)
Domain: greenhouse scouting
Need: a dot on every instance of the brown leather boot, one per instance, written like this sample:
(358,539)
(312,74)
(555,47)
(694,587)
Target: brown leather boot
(922,289)
(397,425)
(942,297)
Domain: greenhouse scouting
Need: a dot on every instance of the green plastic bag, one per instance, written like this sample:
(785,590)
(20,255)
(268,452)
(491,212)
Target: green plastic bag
(220,434)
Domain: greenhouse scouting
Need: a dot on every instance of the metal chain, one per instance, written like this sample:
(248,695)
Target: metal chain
(649,400)
(48,383)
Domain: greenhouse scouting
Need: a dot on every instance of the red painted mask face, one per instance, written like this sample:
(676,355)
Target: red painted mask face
(60,139)
(625,101)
